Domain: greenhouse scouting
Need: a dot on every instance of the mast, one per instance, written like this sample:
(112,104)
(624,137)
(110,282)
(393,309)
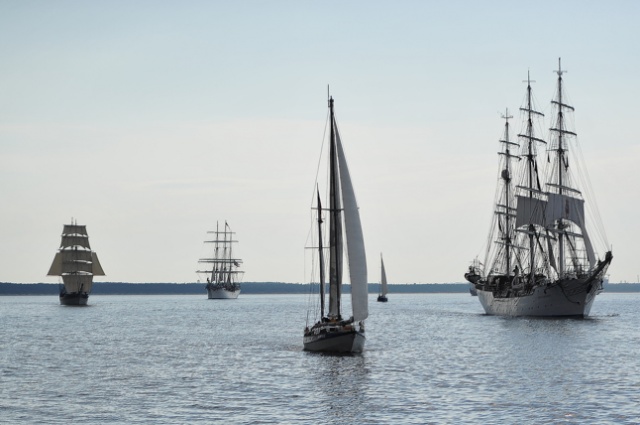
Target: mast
(214,270)
(505,175)
(228,251)
(335,224)
(561,161)
(531,170)
(321,256)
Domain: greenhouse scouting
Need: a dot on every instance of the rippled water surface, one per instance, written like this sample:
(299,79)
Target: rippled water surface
(429,358)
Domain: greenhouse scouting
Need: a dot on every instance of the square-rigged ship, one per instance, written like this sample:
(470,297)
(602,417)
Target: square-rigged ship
(76,263)
(222,269)
(540,260)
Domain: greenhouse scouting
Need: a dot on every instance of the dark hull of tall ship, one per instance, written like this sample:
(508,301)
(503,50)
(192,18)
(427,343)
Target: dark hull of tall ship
(568,297)
(74,298)
(325,338)
(382,298)
(220,292)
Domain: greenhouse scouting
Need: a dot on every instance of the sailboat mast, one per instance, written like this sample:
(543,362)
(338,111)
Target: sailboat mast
(321,256)
(335,224)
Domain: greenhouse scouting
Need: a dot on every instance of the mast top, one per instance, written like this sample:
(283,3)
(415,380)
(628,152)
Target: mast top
(529,80)
(560,71)
(506,115)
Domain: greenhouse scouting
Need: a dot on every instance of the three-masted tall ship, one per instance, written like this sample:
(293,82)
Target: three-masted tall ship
(541,259)
(222,269)
(334,331)
(76,264)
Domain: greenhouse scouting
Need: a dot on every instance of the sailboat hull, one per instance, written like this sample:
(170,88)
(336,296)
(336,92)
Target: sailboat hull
(74,298)
(568,297)
(350,341)
(222,294)
(382,298)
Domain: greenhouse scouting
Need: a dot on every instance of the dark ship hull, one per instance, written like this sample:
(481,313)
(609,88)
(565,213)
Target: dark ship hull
(222,292)
(328,338)
(74,298)
(568,297)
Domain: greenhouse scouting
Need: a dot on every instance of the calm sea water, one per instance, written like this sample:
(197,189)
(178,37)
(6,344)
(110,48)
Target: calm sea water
(429,358)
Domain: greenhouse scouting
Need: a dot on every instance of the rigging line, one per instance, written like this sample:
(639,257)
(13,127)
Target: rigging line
(324,137)
(592,204)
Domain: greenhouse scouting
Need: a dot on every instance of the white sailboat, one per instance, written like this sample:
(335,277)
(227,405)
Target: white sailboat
(382,297)
(76,264)
(542,261)
(333,332)
(222,269)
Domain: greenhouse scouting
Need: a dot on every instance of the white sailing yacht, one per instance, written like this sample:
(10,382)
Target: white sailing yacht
(382,297)
(222,269)
(333,331)
(76,264)
(542,261)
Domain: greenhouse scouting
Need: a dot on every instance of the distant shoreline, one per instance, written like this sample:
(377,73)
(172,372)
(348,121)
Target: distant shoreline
(121,288)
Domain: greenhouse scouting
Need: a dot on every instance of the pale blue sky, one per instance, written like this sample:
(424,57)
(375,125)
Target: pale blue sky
(149,120)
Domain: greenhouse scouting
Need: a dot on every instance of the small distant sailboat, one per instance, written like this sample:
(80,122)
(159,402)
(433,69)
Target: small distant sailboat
(76,263)
(332,332)
(382,297)
(223,276)
(542,261)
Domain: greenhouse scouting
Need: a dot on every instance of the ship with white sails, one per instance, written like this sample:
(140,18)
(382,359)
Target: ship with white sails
(334,331)
(221,269)
(542,260)
(76,264)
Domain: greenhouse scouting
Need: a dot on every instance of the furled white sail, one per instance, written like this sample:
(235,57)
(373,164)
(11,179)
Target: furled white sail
(77,266)
(355,240)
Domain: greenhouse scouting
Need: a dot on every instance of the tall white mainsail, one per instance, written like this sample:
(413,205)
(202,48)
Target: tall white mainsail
(355,240)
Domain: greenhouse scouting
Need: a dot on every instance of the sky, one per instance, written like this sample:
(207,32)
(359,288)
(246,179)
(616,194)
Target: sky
(149,121)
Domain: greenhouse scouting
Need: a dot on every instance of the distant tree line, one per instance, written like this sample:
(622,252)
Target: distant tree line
(121,288)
